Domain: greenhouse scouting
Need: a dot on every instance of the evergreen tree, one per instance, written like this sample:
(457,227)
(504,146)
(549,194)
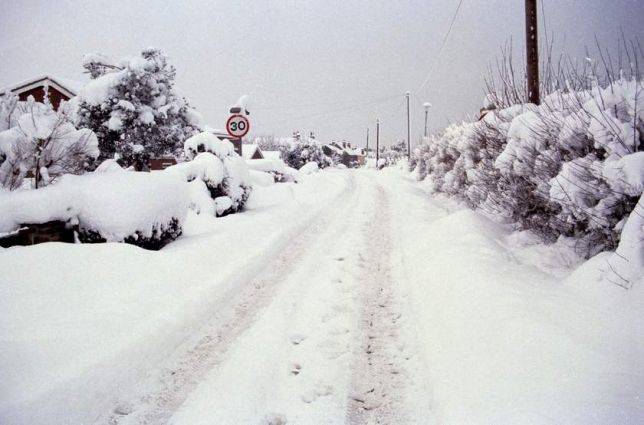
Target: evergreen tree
(134,109)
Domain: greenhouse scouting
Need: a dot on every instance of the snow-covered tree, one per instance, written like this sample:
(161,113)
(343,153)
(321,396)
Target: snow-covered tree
(39,141)
(219,178)
(134,108)
(298,152)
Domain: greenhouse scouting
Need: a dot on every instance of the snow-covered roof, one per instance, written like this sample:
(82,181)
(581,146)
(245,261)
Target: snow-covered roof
(66,86)
(334,148)
(272,154)
(248,150)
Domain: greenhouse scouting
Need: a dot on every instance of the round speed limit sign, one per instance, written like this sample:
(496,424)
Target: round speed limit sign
(237,126)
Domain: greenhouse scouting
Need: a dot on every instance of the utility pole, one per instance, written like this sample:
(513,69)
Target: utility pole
(367,140)
(532,51)
(427,106)
(408,130)
(377,143)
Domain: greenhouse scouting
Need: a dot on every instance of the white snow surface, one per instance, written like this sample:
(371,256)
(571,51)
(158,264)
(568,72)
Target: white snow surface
(117,204)
(350,297)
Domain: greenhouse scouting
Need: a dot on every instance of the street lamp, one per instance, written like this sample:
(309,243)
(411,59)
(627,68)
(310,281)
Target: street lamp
(427,107)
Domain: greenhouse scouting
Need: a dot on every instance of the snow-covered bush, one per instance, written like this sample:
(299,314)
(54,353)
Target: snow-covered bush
(40,142)
(144,209)
(220,182)
(134,108)
(296,152)
(277,168)
(570,167)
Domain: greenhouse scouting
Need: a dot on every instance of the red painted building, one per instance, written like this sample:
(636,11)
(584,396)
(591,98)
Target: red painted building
(58,90)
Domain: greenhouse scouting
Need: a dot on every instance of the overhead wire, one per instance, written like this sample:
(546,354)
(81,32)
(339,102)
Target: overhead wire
(442,47)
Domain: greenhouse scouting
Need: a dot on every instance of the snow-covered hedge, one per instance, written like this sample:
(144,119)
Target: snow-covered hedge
(219,179)
(37,141)
(571,167)
(144,209)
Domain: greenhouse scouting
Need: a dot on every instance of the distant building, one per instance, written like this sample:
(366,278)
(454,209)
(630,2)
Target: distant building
(58,89)
(345,154)
(252,151)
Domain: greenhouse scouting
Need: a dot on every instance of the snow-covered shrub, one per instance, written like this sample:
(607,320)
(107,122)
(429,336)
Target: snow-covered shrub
(570,167)
(309,168)
(42,143)
(277,168)
(296,152)
(144,209)
(134,108)
(213,168)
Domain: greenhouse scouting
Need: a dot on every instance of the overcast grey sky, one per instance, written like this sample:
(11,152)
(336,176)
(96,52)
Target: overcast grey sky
(326,65)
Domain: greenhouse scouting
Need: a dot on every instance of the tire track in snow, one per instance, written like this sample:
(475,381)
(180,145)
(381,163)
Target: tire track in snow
(155,401)
(380,376)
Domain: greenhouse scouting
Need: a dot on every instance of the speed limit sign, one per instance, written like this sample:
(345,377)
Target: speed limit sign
(237,126)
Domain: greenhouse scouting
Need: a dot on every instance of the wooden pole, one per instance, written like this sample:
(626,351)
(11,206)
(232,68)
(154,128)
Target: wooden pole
(377,143)
(367,140)
(532,51)
(408,130)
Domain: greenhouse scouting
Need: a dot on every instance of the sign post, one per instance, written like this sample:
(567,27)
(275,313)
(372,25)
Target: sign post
(237,127)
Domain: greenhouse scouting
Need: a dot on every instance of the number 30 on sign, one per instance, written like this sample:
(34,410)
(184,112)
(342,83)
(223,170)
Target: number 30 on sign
(237,126)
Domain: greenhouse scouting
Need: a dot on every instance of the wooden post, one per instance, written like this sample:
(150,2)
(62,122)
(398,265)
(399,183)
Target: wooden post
(377,143)
(367,140)
(408,130)
(532,51)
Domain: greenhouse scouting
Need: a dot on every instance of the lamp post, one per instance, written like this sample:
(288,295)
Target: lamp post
(427,107)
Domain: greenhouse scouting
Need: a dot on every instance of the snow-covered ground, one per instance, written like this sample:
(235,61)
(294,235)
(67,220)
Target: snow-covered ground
(350,297)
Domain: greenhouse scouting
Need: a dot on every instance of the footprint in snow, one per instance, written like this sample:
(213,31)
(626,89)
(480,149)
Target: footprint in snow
(123,409)
(320,390)
(296,339)
(295,368)
(274,419)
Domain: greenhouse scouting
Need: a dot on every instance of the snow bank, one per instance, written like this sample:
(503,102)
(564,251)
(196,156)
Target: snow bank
(278,168)
(309,167)
(82,324)
(115,205)
(506,342)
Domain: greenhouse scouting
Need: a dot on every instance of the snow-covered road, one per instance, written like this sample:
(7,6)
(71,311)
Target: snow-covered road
(358,300)
(317,338)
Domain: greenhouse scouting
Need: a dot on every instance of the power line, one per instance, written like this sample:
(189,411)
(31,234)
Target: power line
(444,43)
(309,105)
(337,111)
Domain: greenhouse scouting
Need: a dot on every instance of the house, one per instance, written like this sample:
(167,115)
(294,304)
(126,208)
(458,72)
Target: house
(344,153)
(252,152)
(58,89)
